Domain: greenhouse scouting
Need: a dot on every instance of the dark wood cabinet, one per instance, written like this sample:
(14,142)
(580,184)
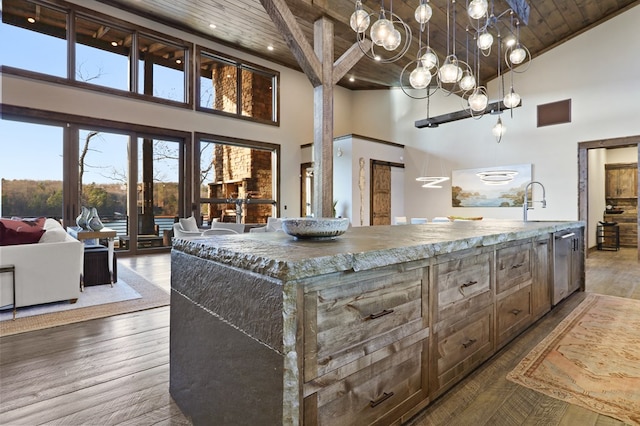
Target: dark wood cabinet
(621,180)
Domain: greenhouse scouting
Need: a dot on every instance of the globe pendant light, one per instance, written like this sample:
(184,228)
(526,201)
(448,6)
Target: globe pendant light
(517,55)
(468,81)
(381,29)
(450,72)
(499,130)
(485,40)
(511,99)
(423,12)
(359,19)
(429,59)
(477,9)
(393,40)
(420,77)
(478,100)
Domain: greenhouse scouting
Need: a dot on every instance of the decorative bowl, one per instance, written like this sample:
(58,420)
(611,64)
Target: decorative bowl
(310,228)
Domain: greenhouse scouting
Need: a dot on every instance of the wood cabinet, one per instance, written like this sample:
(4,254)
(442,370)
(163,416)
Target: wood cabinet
(542,284)
(621,180)
(627,227)
(366,346)
(463,316)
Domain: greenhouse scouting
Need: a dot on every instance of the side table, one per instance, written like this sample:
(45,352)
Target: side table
(82,235)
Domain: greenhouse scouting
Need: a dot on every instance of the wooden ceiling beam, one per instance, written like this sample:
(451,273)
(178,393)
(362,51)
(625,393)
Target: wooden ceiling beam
(295,39)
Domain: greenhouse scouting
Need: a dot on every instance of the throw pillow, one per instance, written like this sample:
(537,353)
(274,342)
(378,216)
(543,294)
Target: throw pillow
(189,224)
(26,231)
(54,235)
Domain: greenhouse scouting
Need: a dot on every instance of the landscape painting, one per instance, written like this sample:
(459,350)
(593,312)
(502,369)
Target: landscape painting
(501,186)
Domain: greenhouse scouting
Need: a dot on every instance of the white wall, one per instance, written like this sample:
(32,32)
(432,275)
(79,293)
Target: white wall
(597,158)
(604,105)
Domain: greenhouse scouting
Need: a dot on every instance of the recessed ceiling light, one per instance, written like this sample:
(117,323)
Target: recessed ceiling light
(270,47)
(178,61)
(31,20)
(213,26)
(114,43)
(351,79)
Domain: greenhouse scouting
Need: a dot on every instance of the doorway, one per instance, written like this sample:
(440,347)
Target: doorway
(583,172)
(381,199)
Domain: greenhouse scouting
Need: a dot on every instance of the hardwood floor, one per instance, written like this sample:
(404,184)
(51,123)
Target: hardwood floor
(116,370)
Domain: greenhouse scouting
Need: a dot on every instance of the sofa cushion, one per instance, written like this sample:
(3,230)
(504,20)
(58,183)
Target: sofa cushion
(54,235)
(24,231)
(189,224)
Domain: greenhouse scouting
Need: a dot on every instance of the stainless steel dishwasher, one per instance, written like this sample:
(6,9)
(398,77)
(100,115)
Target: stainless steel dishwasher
(563,245)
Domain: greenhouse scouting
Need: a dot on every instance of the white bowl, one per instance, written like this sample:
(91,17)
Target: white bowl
(315,228)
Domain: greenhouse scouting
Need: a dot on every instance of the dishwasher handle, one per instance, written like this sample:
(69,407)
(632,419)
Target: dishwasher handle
(565,236)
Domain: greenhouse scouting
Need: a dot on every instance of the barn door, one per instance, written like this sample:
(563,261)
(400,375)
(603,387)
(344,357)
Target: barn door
(380,193)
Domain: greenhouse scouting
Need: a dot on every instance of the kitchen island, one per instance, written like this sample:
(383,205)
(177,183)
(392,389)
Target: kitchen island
(367,328)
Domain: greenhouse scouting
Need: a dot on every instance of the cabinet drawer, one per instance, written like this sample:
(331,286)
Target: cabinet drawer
(396,382)
(346,322)
(463,283)
(513,314)
(513,266)
(461,347)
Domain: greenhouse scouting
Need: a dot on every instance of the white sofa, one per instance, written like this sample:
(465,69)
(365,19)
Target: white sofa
(47,271)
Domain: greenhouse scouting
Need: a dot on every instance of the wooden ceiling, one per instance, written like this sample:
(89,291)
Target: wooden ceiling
(245,25)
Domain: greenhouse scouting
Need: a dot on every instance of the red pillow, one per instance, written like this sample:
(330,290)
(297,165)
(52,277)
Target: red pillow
(25,231)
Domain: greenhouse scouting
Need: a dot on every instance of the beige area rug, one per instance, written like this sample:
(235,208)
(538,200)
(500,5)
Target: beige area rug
(136,294)
(591,359)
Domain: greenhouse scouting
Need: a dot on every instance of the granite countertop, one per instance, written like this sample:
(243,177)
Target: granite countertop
(278,255)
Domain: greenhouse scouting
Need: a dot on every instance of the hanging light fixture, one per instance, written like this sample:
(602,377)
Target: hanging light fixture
(389,33)
(497,177)
(499,130)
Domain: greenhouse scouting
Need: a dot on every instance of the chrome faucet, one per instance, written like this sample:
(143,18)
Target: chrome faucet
(525,205)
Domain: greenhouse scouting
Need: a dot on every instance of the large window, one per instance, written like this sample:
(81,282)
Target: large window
(31,170)
(102,54)
(34,37)
(231,87)
(238,180)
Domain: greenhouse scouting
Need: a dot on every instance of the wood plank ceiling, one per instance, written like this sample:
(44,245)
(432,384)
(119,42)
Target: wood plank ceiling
(245,25)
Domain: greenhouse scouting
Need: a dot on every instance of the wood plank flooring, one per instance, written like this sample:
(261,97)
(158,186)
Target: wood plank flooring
(115,371)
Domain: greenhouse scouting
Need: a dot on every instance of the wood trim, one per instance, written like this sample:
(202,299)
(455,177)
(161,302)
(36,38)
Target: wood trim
(367,138)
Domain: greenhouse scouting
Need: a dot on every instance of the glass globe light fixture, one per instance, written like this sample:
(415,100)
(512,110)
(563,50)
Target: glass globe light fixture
(429,59)
(381,29)
(477,8)
(511,99)
(450,72)
(420,77)
(423,13)
(359,19)
(468,82)
(499,130)
(392,41)
(478,100)
(485,40)
(517,55)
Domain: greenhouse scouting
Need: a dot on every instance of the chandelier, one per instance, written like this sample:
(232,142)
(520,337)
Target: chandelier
(448,71)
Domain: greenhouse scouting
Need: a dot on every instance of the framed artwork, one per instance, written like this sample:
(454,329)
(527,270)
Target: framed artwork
(501,186)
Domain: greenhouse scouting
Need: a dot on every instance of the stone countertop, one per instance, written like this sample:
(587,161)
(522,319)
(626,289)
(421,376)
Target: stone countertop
(280,256)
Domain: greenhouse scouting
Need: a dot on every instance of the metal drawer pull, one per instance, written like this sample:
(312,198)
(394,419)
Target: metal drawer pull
(469,343)
(380,400)
(516,311)
(569,235)
(469,284)
(517,266)
(380,314)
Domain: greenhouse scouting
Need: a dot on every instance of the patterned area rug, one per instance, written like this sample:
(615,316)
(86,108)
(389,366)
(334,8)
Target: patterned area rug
(591,359)
(136,295)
